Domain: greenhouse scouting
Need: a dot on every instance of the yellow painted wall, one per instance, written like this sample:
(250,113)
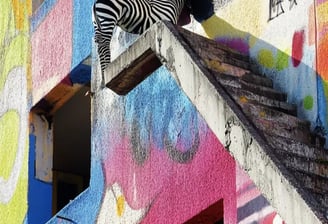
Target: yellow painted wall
(14,73)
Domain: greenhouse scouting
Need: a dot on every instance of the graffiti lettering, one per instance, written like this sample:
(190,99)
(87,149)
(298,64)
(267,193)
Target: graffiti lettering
(140,153)
(292,3)
(276,8)
(182,157)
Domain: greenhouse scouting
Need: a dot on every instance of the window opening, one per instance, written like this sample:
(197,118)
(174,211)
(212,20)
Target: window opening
(211,215)
(72,143)
(61,134)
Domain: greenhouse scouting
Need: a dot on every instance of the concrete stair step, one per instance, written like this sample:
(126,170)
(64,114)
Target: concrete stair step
(311,181)
(302,164)
(322,199)
(308,164)
(242,96)
(298,148)
(215,52)
(265,91)
(257,79)
(274,122)
(237,82)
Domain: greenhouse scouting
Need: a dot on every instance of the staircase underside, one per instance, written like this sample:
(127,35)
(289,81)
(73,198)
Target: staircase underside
(257,126)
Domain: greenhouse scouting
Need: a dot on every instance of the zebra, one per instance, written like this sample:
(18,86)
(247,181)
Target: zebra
(136,16)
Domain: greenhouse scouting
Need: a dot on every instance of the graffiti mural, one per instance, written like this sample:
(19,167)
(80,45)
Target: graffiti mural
(147,154)
(322,64)
(288,51)
(152,153)
(158,146)
(14,48)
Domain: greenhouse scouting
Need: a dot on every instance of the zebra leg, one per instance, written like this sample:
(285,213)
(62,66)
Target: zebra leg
(103,45)
(104,21)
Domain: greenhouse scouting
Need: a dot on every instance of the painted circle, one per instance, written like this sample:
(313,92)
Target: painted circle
(282,60)
(265,58)
(308,102)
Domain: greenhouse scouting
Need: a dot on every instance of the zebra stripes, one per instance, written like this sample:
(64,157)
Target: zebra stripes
(134,16)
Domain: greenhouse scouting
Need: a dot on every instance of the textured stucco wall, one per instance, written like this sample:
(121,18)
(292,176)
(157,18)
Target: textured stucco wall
(157,154)
(152,152)
(39,192)
(26,67)
(288,42)
(154,160)
(35,54)
(14,73)
(61,40)
(52,49)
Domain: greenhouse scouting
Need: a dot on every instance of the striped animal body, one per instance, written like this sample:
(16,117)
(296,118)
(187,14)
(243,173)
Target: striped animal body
(134,16)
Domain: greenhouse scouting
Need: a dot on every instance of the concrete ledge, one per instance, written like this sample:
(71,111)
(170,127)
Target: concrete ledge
(136,72)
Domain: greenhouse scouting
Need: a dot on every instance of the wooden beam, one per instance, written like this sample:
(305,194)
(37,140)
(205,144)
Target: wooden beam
(135,73)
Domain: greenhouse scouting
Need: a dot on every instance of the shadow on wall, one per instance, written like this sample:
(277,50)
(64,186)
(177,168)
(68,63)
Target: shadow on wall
(303,85)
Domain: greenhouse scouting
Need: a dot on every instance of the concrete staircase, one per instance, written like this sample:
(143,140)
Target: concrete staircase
(278,151)
(291,139)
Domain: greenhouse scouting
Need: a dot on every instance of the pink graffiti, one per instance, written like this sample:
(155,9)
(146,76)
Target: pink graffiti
(52,48)
(297,49)
(179,190)
(237,44)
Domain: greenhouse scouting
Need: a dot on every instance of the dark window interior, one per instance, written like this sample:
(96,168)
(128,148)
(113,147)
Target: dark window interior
(211,215)
(72,143)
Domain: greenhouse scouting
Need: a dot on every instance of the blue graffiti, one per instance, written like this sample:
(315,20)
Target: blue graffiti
(161,110)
